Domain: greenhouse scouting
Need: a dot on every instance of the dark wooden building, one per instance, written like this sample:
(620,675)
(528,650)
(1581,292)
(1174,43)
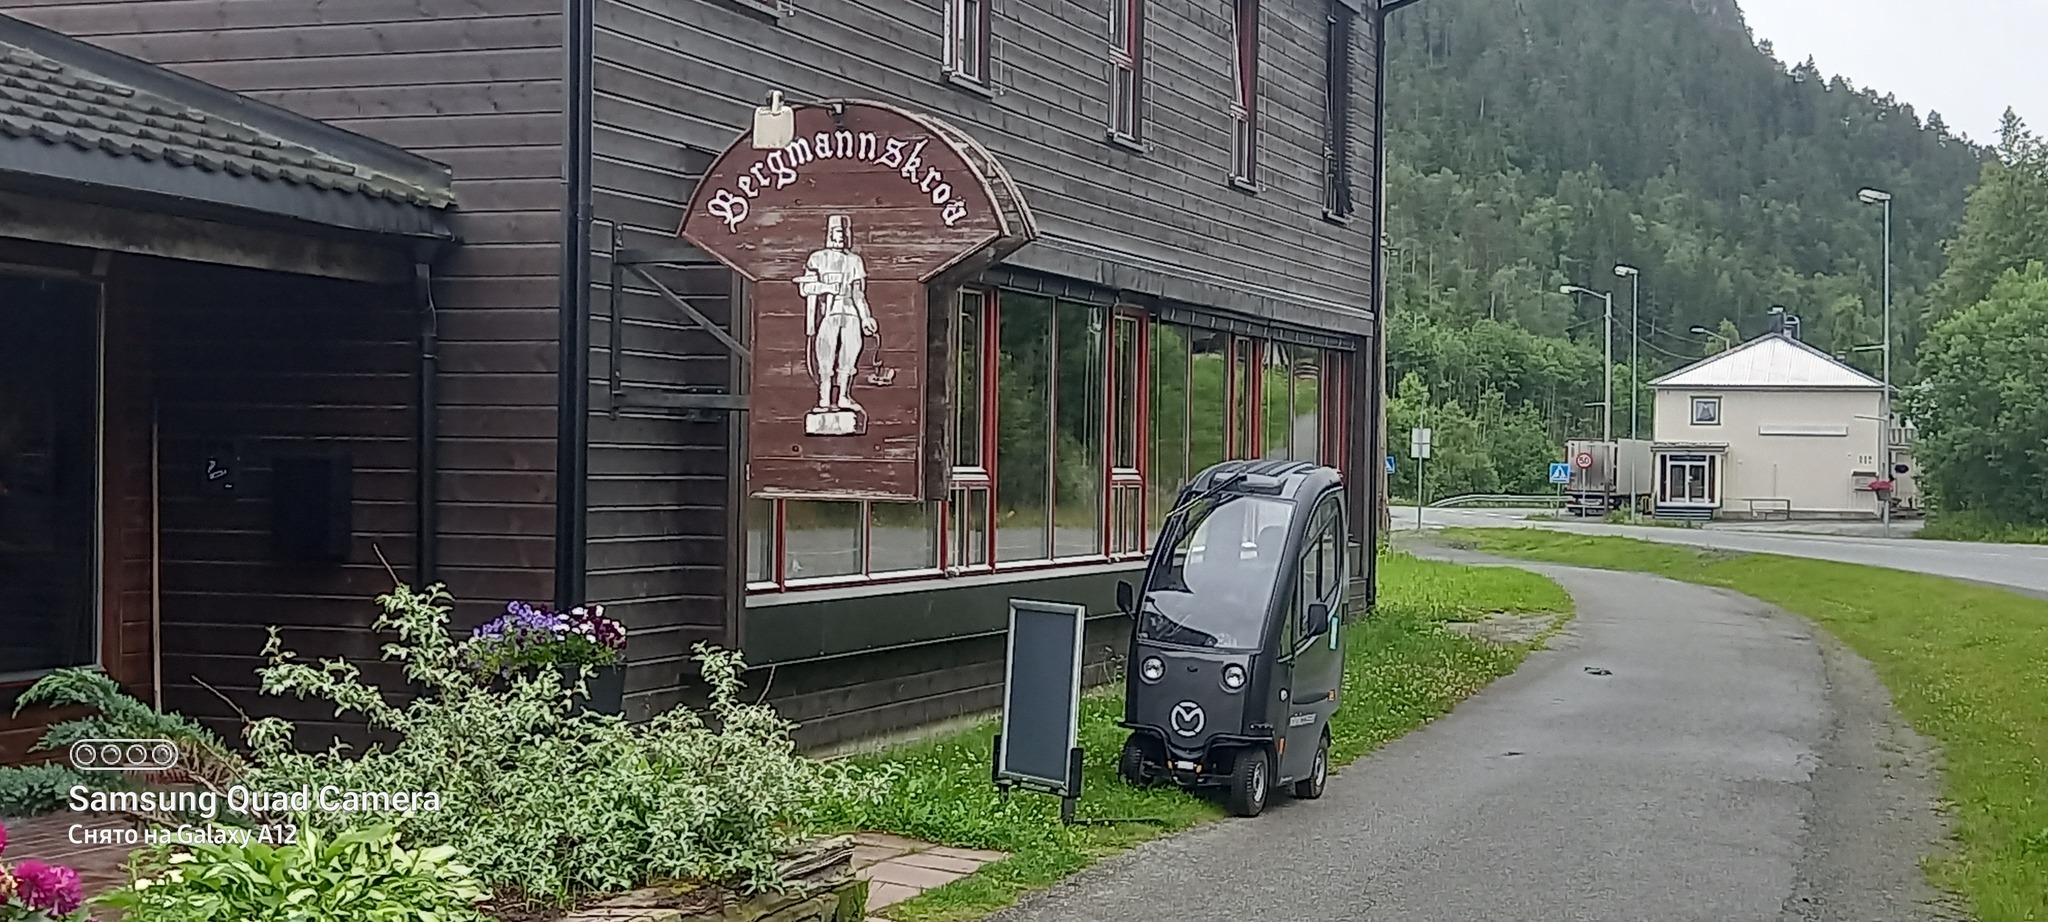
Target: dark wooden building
(571,400)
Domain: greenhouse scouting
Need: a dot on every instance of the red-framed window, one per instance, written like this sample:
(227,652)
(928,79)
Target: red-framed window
(967,39)
(1073,427)
(1126,69)
(1244,107)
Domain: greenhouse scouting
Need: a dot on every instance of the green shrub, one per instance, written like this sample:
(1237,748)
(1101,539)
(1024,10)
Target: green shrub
(38,789)
(33,790)
(362,876)
(548,802)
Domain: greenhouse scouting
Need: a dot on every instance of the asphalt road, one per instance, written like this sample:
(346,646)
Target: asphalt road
(2015,566)
(1728,765)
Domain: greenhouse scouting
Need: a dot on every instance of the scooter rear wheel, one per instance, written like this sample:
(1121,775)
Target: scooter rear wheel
(1251,782)
(1311,787)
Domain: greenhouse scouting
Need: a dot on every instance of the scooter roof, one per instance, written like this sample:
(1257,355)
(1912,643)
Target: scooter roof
(1288,481)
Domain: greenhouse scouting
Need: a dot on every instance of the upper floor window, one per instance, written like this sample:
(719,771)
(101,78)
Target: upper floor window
(967,39)
(1244,109)
(1126,67)
(1337,124)
(1706,411)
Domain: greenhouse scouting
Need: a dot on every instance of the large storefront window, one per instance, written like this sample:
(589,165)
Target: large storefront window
(1074,426)
(1276,404)
(1024,429)
(1208,386)
(1167,469)
(1079,452)
(49,475)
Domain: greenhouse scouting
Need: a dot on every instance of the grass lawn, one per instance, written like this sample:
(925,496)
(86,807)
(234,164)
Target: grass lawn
(1402,669)
(1966,665)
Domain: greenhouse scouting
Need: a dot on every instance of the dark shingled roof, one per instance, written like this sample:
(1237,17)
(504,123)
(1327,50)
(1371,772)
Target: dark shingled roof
(170,135)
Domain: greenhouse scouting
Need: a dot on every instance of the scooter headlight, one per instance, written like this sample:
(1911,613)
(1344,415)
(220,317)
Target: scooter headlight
(1233,676)
(1153,669)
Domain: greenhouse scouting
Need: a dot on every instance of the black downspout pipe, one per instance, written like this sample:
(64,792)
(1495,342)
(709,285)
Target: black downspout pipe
(572,435)
(1377,361)
(427,464)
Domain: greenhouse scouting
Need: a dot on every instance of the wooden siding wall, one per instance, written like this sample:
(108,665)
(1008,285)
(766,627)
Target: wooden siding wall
(276,364)
(477,86)
(860,698)
(686,74)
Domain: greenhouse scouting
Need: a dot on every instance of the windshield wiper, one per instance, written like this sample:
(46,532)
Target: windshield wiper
(1155,619)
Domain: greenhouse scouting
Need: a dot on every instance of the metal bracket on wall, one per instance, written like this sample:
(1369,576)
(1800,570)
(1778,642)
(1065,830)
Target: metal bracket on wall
(698,403)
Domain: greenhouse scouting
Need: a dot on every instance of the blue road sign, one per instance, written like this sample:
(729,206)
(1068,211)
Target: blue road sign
(1390,464)
(1560,472)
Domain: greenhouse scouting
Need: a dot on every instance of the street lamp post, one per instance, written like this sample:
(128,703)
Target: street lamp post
(1635,307)
(1607,428)
(1376,376)
(1726,343)
(1884,427)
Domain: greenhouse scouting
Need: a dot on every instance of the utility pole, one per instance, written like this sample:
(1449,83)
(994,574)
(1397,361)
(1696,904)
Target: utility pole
(1884,425)
(1635,279)
(1607,407)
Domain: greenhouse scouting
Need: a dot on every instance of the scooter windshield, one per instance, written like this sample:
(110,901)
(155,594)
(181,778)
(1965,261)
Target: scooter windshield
(1214,589)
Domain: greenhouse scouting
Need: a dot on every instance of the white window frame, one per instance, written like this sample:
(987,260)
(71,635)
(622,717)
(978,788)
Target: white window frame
(1698,402)
(961,17)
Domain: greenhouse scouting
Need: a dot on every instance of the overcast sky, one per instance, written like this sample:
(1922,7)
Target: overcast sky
(1967,59)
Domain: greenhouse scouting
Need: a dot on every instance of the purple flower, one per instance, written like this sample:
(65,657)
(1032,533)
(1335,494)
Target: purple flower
(45,887)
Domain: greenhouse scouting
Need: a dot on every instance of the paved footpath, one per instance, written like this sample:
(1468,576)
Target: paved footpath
(1680,753)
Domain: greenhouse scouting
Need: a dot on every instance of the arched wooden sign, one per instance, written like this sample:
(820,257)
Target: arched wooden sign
(843,233)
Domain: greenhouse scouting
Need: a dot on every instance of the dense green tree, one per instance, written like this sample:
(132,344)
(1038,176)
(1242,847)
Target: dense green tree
(2005,223)
(1533,145)
(1982,407)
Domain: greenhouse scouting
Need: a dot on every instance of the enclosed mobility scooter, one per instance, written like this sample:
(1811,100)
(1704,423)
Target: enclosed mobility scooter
(1236,665)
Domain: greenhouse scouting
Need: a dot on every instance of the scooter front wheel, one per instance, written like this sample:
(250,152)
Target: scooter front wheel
(1251,782)
(1131,764)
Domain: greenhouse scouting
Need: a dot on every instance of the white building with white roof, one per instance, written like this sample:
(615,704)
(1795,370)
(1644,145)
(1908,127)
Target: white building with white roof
(1769,429)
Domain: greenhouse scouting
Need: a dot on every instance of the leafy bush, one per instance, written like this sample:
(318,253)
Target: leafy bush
(360,875)
(36,892)
(548,802)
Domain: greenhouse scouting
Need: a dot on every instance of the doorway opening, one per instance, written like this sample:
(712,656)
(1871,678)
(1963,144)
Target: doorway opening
(50,434)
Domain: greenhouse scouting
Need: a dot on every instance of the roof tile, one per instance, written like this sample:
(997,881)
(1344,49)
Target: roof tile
(59,104)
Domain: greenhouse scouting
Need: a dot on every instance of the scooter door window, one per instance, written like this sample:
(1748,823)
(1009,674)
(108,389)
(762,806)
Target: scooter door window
(1218,584)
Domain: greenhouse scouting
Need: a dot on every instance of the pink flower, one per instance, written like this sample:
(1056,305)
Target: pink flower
(3,837)
(46,887)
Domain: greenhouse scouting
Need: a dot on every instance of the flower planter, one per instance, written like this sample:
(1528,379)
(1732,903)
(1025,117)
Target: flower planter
(819,887)
(607,686)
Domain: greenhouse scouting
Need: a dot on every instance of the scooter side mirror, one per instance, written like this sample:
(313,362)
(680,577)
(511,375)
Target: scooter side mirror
(1126,597)
(1318,619)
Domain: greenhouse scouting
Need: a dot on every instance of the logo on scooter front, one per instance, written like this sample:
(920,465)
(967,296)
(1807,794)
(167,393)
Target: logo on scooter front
(1188,719)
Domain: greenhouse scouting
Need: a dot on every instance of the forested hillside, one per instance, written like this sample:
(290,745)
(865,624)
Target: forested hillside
(1535,143)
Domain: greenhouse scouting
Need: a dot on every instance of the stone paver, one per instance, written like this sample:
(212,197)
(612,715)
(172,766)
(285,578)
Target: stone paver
(885,894)
(897,868)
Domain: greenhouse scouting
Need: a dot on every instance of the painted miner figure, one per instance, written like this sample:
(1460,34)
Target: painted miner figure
(837,321)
